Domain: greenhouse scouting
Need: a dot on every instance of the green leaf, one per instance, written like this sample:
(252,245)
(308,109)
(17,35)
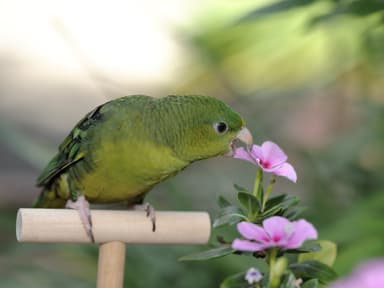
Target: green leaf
(290,201)
(313,269)
(288,280)
(275,200)
(229,219)
(235,281)
(307,247)
(208,254)
(285,201)
(249,202)
(239,188)
(294,213)
(327,253)
(273,8)
(222,202)
(276,210)
(228,215)
(279,205)
(313,283)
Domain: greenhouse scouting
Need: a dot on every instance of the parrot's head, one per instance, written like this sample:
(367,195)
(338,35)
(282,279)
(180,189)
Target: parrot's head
(206,127)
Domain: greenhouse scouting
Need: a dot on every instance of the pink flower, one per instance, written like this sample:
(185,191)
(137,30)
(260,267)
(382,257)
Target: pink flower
(270,157)
(367,275)
(276,232)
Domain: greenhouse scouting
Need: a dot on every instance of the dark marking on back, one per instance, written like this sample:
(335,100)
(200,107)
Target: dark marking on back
(93,116)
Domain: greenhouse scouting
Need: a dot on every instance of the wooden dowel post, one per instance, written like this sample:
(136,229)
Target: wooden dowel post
(112,230)
(110,272)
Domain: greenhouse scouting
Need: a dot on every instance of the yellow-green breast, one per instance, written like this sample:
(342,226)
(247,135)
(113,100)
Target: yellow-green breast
(124,170)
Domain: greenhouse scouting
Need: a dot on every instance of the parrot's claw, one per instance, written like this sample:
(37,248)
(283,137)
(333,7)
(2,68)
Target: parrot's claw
(82,206)
(151,213)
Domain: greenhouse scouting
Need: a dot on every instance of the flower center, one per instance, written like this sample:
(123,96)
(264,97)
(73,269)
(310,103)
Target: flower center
(276,238)
(265,164)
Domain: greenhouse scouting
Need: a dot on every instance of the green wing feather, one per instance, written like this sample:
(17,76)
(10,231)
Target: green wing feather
(69,154)
(70,150)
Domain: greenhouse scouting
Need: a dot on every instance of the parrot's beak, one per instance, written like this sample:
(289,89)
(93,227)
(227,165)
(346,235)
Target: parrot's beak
(245,136)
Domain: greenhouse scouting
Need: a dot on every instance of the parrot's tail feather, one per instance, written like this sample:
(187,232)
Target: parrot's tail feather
(45,200)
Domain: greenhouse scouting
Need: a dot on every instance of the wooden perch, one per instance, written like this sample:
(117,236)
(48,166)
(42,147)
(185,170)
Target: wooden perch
(64,225)
(112,229)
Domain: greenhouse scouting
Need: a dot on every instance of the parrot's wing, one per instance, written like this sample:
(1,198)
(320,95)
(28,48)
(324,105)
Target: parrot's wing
(55,167)
(70,150)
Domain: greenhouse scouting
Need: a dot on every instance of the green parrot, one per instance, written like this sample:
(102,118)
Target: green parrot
(124,147)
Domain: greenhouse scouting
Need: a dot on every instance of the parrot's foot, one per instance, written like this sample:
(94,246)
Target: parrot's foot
(82,206)
(151,213)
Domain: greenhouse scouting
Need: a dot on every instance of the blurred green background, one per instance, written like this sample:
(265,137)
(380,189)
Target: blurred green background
(308,75)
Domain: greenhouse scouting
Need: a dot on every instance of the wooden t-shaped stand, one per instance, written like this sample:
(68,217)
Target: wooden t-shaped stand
(112,229)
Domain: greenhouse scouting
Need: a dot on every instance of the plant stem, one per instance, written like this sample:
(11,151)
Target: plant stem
(271,259)
(258,181)
(268,191)
(271,256)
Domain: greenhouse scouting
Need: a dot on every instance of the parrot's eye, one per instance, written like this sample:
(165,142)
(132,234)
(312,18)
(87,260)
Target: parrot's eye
(221,127)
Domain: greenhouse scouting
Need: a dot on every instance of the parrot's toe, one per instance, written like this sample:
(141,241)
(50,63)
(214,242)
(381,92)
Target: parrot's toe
(82,206)
(151,213)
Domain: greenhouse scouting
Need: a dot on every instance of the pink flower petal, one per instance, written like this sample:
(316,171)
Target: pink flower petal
(367,275)
(256,152)
(269,157)
(370,274)
(273,154)
(344,283)
(285,170)
(241,153)
(277,231)
(278,228)
(303,230)
(252,231)
(245,245)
